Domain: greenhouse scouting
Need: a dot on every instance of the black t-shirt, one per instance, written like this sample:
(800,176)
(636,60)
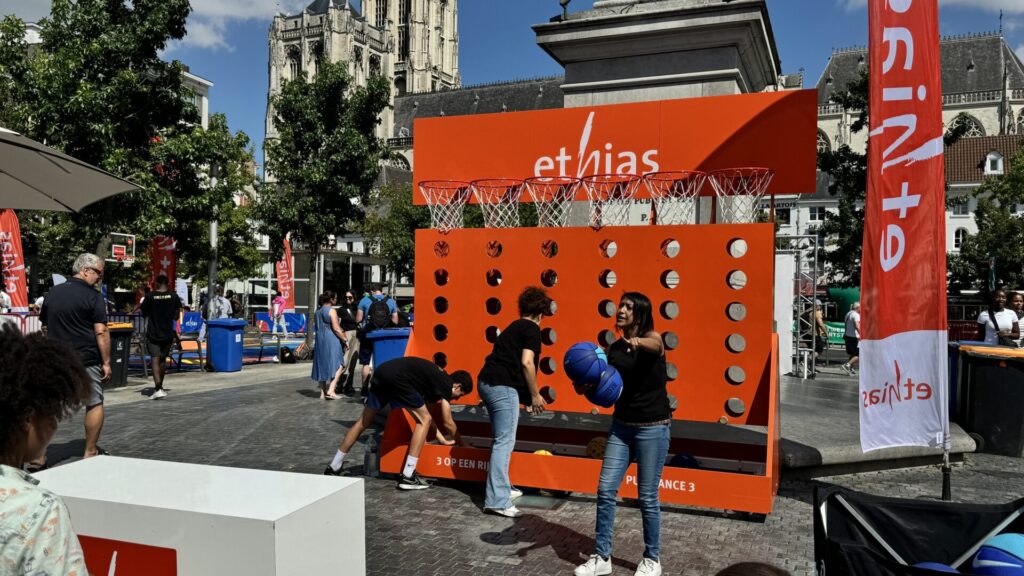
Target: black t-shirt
(504,365)
(401,378)
(644,397)
(70,311)
(347,318)
(161,309)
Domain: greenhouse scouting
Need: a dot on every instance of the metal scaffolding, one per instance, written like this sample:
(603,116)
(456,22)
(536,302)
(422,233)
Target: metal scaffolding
(805,282)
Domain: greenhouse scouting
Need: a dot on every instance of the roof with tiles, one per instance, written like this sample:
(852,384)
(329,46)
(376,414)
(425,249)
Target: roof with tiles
(971,63)
(965,160)
(518,96)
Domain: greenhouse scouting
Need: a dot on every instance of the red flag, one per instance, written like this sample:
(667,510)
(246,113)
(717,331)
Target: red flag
(903,286)
(285,284)
(163,259)
(12,261)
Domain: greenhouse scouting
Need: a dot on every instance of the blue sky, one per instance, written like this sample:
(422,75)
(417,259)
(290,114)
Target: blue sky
(227,40)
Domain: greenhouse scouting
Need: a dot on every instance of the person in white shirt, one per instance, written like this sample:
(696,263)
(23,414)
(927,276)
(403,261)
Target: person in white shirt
(999,321)
(852,338)
(5,300)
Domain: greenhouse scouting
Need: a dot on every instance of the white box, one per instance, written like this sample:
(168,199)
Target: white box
(220,521)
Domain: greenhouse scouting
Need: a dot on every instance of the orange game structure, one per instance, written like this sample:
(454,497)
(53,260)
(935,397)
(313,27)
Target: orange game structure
(711,285)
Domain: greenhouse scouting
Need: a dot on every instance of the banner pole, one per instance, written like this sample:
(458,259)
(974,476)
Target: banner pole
(947,470)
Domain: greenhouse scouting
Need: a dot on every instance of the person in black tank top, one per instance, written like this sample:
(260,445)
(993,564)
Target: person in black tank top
(640,431)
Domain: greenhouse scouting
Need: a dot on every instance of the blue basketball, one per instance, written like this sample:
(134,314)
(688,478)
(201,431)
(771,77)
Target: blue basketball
(607,390)
(1001,555)
(936,567)
(584,362)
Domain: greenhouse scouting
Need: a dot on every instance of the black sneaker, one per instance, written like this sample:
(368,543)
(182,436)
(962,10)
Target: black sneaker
(332,472)
(414,483)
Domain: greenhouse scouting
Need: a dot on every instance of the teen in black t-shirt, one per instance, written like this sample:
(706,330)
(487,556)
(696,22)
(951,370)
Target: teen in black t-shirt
(424,390)
(161,309)
(508,379)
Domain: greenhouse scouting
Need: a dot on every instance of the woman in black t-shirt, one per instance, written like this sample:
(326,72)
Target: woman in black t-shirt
(508,379)
(640,428)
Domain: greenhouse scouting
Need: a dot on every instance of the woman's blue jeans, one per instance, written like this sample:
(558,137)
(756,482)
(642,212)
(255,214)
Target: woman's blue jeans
(502,404)
(648,446)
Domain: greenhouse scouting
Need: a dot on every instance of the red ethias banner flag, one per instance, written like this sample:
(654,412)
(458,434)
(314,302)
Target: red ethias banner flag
(163,259)
(285,283)
(12,261)
(117,558)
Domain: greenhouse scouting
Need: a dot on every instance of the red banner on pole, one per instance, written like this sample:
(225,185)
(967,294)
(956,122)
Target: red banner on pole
(12,261)
(903,349)
(163,259)
(285,283)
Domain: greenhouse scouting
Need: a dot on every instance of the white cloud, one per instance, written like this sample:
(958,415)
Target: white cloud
(850,5)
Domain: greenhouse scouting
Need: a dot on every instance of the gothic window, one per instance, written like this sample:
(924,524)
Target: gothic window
(294,62)
(974,127)
(1020,123)
(400,86)
(381,17)
(823,143)
(374,65)
(400,162)
(357,56)
(958,238)
(316,52)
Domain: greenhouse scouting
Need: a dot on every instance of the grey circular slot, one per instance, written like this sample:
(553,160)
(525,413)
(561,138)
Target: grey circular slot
(440,276)
(548,336)
(607,278)
(609,248)
(737,279)
(670,248)
(441,359)
(492,333)
(494,277)
(549,248)
(670,310)
(549,278)
(671,371)
(440,304)
(493,306)
(548,366)
(494,248)
(738,248)
(735,375)
(736,343)
(440,332)
(594,411)
(606,337)
(606,308)
(670,279)
(673,403)
(736,312)
(671,340)
(553,309)
(735,407)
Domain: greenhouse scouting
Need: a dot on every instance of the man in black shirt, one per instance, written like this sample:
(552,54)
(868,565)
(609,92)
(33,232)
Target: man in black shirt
(74,312)
(160,308)
(424,390)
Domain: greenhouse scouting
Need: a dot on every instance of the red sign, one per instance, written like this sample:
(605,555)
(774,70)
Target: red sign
(12,261)
(163,259)
(777,130)
(285,282)
(903,283)
(117,558)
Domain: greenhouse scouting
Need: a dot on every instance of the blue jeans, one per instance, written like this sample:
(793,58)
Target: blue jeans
(648,445)
(502,404)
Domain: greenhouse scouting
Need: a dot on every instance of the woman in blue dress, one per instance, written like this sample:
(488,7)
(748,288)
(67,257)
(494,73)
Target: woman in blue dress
(328,351)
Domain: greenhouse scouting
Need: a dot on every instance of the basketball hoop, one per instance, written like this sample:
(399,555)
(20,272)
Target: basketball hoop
(739,192)
(674,195)
(445,199)
(499,201)
(611,196)
(553,197)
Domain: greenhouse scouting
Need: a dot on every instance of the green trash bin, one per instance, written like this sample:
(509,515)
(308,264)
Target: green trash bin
(120,348)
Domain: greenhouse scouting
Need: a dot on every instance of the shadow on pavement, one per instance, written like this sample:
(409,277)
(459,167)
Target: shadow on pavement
(568,544)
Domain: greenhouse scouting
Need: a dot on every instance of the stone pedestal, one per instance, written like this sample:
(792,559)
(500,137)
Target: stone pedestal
(638,50)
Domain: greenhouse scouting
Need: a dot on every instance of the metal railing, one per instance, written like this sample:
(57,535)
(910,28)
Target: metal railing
(405,141)
(972,97)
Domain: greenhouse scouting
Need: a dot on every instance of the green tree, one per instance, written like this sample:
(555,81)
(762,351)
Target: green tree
(324,161)
(390,228)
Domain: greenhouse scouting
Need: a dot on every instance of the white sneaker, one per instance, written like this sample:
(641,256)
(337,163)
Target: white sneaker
(510,512)
(158,394)
(648,567)
(516,493)
(596,566)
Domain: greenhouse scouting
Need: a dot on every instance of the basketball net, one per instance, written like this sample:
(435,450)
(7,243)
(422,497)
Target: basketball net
(739,192)
(674,195)
(499,201)
(611,197)
(446,200)
(553,198)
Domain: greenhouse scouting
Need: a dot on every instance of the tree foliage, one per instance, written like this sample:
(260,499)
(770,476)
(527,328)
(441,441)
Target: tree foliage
(390,228)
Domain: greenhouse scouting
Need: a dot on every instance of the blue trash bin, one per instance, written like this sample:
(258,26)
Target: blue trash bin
(388,343)
(224,337)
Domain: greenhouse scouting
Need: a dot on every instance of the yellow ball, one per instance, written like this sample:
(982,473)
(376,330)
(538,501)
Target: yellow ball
(543,453)
(596,447)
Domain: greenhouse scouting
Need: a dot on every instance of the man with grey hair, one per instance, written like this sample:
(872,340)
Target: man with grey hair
(74,312)
(852,338)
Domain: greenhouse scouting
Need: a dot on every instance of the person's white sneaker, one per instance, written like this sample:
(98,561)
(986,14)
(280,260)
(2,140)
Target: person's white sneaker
(595,566)
(648,567)
(158,394)
(516,493)
(510,512)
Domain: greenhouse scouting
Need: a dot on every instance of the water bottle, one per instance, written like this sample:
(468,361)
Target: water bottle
(371,458)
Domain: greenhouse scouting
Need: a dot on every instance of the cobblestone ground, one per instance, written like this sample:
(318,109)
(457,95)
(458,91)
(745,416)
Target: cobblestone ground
(283,426)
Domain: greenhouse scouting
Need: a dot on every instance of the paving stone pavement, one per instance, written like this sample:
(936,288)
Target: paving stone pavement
(255,421)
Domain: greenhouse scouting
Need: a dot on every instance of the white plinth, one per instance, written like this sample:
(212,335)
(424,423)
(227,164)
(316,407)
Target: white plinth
(219,520)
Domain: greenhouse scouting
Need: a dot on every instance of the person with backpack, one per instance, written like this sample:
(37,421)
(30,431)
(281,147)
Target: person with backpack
(375,312)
